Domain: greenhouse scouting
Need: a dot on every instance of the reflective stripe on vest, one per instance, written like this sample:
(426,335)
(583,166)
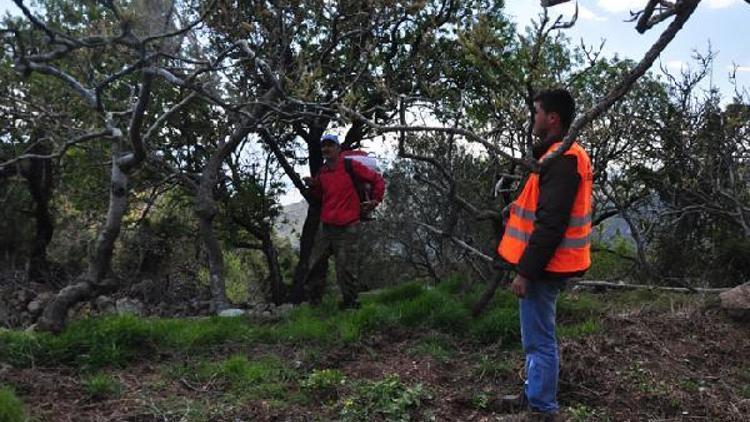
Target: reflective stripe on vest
(575,221)
(573,253)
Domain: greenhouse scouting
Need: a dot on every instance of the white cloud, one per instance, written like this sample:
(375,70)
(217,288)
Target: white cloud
(621,5)
(721,4)
(676,64)
(568,9)
(588,15)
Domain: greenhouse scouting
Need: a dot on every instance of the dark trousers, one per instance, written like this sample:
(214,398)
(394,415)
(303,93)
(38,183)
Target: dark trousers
(343,243)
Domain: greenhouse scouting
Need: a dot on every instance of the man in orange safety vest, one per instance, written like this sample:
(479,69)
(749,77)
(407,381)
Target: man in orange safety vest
(547,238)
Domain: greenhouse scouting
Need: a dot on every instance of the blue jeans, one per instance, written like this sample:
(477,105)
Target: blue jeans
(538,310)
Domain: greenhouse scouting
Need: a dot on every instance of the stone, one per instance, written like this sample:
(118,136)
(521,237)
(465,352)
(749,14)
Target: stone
(129,306)
(22,296)
(105,305)
(147,290)
(231,312)
(736,302)
(284,309)
(36,306)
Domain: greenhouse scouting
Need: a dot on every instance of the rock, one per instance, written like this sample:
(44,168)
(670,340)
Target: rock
(22,296)
(231,312)
(285,309)
(736,302)
(4,316)
(129,306)
(105,305)
(147,290)
(36,306)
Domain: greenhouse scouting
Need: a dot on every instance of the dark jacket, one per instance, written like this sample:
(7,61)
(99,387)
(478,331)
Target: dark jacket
(558,184)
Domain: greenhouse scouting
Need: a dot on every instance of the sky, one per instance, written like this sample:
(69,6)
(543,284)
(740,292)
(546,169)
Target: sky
(719,23)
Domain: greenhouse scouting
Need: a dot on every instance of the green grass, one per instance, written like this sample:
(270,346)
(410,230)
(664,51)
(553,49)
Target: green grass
(11,407)
(265,378)
(102,386)
(323,384)
(437,347)
(116,341)
(579,306)
(492,367)
(582,329)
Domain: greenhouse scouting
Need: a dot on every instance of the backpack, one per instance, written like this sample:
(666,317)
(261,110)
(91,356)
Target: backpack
(364,189)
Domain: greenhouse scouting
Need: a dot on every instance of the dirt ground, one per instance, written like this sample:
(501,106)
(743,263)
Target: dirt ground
(685,364)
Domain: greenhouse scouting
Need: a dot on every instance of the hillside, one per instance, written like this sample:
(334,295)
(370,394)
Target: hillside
(409,354)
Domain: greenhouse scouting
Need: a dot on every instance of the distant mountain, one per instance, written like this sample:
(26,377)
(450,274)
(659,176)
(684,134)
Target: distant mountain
(290,223)
(611,229)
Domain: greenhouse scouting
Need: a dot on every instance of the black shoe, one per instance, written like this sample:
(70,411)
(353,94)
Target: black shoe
(533,416)
(513,403)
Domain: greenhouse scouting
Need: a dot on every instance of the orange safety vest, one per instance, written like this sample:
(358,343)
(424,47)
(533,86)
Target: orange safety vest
(573,254)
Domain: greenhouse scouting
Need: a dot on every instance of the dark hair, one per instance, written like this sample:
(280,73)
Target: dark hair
(558,101)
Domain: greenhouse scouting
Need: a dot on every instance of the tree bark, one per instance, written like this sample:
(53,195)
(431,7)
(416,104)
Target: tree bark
(206,206)
(306,243)
(275,277)
(215,261)
(39,176)
(100,262)
(312,220)
(501,276)
(55,314)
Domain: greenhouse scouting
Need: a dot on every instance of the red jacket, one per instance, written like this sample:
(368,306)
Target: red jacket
(334,187)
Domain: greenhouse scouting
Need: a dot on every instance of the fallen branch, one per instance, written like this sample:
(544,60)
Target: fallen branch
(625,286)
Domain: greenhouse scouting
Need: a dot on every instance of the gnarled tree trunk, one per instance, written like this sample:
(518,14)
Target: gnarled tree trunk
(206,206)
(55,314)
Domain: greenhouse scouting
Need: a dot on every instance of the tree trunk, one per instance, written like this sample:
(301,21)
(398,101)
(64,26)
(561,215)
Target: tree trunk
(275,277)
(39,176)
(312,220)
(501,269)
(501,275)
(55,314)
(306,243)
(206,207)
(100,263)
(219,300)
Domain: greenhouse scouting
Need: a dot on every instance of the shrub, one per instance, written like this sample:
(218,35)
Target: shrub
(388,399)
(11,408)
(324,384)
(102,386)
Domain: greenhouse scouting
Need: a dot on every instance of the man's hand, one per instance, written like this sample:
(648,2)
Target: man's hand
(518,286)
(368,206)
(309,181)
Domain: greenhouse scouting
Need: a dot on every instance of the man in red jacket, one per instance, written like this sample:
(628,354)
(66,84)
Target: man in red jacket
(340,214)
